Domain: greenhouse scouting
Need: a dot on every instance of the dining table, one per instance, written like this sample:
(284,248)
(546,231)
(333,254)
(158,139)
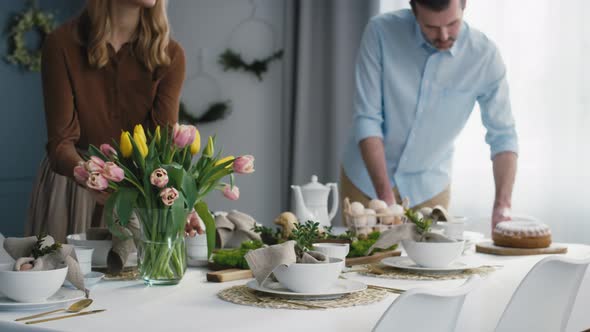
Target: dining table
(193,304)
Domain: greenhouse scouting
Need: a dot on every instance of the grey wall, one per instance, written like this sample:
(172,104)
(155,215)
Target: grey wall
(22,129)
(254,125)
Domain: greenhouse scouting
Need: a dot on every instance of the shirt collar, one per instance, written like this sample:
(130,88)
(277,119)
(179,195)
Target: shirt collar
(453,51)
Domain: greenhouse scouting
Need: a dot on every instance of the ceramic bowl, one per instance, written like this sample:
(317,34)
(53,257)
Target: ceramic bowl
(334,250)
(309,278)
(31,286)
(433,254)
(101,247)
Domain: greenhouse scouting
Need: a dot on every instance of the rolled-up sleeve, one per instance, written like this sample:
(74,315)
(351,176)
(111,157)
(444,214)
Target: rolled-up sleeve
(368,109)
(63,128)
(167,101)
(496,112)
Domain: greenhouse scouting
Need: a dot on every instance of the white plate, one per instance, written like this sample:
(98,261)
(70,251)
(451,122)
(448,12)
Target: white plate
(90,279)
(340,288)
(405,263)
(63,296)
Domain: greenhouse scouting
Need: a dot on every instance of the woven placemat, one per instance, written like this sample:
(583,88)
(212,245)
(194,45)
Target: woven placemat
(245,296)
(388,272)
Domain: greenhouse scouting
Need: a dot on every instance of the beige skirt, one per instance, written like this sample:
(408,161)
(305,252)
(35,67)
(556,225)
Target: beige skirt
(60,207)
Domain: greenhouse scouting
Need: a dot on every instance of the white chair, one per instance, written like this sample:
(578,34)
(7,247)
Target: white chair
(426,309)
(543,301)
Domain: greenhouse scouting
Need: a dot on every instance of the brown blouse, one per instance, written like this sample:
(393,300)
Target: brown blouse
(85,105)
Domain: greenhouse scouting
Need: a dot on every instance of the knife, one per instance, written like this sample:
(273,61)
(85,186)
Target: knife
(66,316)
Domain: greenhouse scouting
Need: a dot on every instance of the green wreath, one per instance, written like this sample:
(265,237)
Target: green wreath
(215,111)
(32,19)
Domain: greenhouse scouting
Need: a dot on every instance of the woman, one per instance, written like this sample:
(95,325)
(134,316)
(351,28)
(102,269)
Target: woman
(109,69)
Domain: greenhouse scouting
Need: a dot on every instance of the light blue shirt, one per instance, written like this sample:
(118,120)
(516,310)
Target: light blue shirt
(418,99)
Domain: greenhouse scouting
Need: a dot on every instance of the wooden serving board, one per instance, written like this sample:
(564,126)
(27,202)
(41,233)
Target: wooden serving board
(229,275)
(488,247)
(375,258)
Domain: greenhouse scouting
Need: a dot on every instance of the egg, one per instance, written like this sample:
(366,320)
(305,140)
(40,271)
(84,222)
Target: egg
(363,232)
(357,208)
(397,210)
(385,216)
(371,218)
(426,211)
(377,204)
(359,221)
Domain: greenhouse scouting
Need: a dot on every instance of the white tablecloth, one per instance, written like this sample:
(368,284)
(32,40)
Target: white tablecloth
(193,305)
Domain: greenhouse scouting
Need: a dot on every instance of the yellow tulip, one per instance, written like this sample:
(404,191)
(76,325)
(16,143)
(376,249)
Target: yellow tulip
(125,144)
(209,150)
(141,144)
(196,144)
(157,135)
(138,131)
(221,161)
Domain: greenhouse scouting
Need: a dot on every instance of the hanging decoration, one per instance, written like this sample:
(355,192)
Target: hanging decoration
(33,19)
(232,60)
(217,109)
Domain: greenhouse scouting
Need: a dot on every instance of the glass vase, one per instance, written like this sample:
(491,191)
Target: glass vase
(161,251)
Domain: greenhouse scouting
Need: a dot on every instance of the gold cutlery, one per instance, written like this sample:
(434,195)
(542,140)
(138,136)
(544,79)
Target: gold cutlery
(73,308)
(66,316)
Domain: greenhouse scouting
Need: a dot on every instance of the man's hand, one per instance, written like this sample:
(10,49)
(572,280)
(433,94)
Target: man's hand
(500,213)
(373,154)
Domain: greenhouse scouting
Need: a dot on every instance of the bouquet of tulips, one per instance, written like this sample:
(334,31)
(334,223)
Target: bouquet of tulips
(160,178)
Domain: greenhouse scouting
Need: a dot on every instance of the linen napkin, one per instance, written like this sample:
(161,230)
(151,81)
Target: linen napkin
(407,231)
(234,227)
(20,249)
(264,260)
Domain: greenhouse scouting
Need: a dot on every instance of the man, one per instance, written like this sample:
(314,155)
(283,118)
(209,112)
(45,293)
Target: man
(419,73)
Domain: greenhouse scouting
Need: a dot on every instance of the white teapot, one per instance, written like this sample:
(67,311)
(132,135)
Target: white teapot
(310,201)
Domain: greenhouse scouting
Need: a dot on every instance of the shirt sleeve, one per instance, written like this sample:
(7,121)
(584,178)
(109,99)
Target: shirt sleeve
(167,101)
(368,110)
(496,112)
(63,128)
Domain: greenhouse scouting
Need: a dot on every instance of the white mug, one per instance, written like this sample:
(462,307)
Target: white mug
(453,230)
(196,247)
(84,256)
(335,250)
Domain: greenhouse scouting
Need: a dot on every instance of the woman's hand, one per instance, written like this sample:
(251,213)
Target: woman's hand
(194,225)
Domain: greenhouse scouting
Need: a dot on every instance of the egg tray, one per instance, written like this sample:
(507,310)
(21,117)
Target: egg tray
(367,222)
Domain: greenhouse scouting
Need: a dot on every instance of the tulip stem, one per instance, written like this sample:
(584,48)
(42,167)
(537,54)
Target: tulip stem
(136,185)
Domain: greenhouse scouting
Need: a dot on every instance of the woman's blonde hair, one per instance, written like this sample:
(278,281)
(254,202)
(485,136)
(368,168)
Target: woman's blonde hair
(151,39)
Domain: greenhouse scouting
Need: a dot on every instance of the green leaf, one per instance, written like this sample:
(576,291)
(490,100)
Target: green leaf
(125,203)
(109,209)
(205,215)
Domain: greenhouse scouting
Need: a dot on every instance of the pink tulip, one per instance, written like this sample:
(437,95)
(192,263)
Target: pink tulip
(159,178)
(169,195)
(95,164)
(97,182)
(80,173)
(113,172)
(244,164)
(108,151)
(184,135)
(231,193)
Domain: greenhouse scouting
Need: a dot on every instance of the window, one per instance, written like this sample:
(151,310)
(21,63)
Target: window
(545,46)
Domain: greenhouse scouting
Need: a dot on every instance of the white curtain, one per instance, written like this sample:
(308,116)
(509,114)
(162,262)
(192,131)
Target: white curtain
(545,45)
